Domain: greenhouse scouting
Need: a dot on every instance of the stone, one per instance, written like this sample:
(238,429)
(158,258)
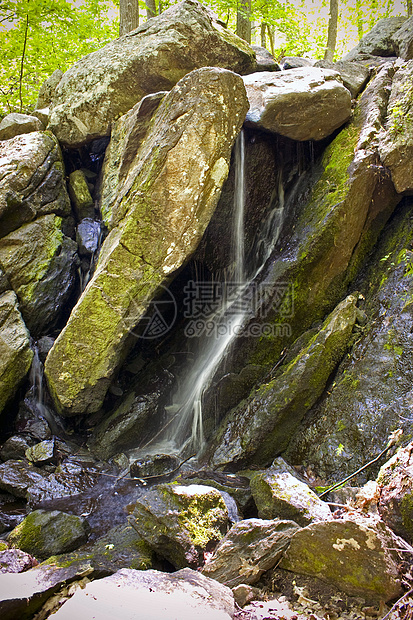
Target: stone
(15,561)
(307,103)
(16,476)
(68,479)
(14,448)
(180,522)
(125,427)
(47,89)
(248,550)
(279,494)
(44,344)
(265,60)
(107,83)
(32,180)
(121,547)
(39,261)
(15,352)
(82,201)
(12,511)
(367,401)
(22,594)
(354,74)
(403,40)
(15,124)
(379,41)
(260,428)
(88,236)
(184,594)
(396,492)
(154,465)
(244,594)
(396,145)
(354,555)
(295,62)
(190,143)
(127,135)
(4,282)
(43,534)
(42,115)
(42,452)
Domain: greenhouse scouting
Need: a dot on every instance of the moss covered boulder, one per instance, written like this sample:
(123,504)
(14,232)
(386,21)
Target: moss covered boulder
(32,180)
(15,352)
(39,261)
(279,494)
(260,428)
(354,555)
(43,533)
(107,83)
(250,548)
(396,148)
(181,523)
(370,395)
(159,217)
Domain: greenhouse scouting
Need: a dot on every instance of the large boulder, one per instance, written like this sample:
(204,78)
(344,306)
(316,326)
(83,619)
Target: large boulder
(279,494)
(354,74)
(379,41)
(15,352)
(181,523)
(403,40)
(15,124)
(156,227)
(107,83)
(303,104)
(250,548)
(32,180)
(371,394)
(396,146)
(39,261)
(153,595)
(43,533)
(354,554)
(260,428)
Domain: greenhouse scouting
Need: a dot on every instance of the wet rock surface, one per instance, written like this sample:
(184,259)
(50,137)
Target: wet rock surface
(44,533)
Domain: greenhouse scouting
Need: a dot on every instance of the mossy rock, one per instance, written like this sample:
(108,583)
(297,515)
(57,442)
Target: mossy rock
(43,533)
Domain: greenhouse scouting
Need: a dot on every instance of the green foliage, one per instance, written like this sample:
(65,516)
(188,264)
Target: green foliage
(39,36)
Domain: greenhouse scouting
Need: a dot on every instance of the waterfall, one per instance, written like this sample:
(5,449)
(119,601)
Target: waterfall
(183,431)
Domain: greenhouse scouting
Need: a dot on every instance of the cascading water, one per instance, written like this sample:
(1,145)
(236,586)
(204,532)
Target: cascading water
(183,432)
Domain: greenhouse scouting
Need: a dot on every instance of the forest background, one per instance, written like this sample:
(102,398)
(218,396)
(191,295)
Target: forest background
(39,36)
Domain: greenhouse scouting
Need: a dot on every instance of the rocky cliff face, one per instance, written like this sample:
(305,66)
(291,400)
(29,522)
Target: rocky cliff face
(118,273)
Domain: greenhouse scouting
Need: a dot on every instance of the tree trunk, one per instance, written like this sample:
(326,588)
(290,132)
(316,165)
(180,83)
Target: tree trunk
(263,35)
(409,8)
(271,38)
(129,16)
(332,31)
(150,8)
(243,22)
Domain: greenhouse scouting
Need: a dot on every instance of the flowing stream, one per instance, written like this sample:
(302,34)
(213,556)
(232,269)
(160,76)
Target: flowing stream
(183,431)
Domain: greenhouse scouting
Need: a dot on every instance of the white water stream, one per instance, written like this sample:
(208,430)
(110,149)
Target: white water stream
(183,431)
